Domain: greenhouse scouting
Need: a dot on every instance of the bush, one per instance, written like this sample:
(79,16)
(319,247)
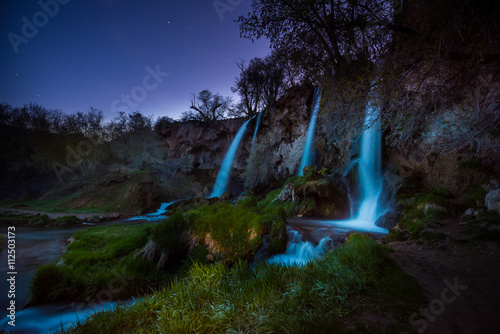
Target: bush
(170,236)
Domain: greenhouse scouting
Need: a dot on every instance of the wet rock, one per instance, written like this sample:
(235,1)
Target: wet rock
(469,213)
(326,245)
(492,200)
(226,196)
(390,219)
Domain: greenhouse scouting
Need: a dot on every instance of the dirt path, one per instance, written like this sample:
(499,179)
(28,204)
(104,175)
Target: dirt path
(461,281)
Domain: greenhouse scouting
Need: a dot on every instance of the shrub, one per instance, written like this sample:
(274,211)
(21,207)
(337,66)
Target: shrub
(169,235)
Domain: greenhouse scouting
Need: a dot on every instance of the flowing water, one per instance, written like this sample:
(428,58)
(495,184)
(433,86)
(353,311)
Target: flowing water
(223,176)
(159,215)
(54,318)
(308,146)
(259,117)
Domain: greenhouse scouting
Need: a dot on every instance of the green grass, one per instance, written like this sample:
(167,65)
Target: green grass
(235,232)
(395,235)
(97,258)
(321,297)
(415,215)
(25,218)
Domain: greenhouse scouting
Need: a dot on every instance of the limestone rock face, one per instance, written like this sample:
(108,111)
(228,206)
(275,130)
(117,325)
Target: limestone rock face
(492,200)
(199,145)
(434,169)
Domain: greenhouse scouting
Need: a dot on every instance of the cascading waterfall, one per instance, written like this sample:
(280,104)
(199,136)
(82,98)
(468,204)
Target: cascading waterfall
(308,147)
(299,252)
(370,177)
(223,176)
(370,168)
(259,116)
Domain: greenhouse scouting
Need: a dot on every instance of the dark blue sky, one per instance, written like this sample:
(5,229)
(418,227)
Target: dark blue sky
(96,52)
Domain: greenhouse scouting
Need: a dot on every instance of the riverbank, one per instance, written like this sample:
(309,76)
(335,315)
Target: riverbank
(18,217)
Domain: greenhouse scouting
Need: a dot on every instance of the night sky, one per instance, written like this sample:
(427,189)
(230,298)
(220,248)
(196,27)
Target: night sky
(91,53)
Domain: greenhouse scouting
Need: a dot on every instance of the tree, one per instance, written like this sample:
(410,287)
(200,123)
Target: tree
(207,107)
(162,122)
(324,37)
(259,84)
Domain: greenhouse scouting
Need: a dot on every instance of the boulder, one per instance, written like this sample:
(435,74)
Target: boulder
(287,194)
(325,197)
(326,245)
(469,213)
(226,196)
(390,219)
(492,200)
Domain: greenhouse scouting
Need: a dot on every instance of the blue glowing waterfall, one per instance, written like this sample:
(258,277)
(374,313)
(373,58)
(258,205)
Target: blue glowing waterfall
(256,129)
(223,177)
(370,167)
(308,147)
(370,183)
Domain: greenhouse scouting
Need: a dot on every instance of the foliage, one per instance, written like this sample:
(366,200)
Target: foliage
(319,297)
(332,33)
(395,235)
(259,85)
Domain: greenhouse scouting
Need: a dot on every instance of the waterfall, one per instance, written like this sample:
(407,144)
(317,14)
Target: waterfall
(299,252)
(256,129)
(370,182)
(370,167)
(307,154)
(370,177)
(158,215)
(223,176)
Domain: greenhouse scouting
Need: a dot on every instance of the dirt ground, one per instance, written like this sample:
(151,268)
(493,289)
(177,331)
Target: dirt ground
(461,280)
